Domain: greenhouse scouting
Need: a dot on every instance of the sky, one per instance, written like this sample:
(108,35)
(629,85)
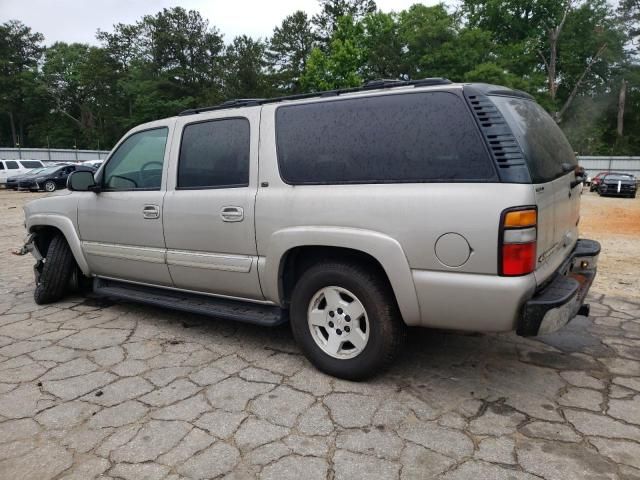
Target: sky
(78,20)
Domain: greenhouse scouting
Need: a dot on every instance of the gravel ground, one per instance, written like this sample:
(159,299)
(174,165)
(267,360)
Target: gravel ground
(90,389)
(615,223)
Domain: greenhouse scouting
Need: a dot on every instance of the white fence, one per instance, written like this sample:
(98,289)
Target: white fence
(594,165)
(53,154)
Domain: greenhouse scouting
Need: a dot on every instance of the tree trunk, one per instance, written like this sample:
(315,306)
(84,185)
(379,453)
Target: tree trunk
(621,101)
(574,92)
(14,137)
(554,34)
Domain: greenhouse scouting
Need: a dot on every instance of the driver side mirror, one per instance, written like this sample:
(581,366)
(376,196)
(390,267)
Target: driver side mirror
(82,181)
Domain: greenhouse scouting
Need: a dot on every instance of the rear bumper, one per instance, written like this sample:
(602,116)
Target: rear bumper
(557,302)
(613,190)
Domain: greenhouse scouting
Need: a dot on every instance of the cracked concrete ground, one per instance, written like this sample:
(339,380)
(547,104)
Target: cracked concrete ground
(93,389)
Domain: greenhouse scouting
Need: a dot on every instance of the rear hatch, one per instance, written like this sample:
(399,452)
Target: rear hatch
(552,166)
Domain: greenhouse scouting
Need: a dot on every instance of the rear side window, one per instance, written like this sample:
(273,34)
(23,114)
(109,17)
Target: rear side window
(30,164)
(215,154)
(545,147)
(417,137)
(13,165)
(1,165)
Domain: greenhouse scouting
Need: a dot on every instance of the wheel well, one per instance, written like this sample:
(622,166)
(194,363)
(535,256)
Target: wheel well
(44,235)
(297,260)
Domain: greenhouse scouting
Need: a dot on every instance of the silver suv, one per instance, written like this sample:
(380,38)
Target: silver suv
(351,214)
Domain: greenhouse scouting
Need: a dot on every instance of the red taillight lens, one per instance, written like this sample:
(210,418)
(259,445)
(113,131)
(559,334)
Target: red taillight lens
(518,258)
(518,238)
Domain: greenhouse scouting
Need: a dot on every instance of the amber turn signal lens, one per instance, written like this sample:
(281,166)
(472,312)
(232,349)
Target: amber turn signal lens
(521,218)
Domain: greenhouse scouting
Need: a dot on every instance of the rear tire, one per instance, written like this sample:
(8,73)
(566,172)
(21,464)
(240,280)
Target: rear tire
(49,186)
(52,282)
(380,329)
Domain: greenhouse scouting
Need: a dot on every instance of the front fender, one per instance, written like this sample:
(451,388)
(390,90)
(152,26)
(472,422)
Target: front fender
(381,247)
(65,225)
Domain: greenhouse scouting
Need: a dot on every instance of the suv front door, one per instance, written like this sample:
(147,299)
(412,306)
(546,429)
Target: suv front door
(209,207)
(121,226)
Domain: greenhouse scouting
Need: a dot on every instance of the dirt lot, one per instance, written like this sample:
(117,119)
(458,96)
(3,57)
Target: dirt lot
(615,223)
(95,389)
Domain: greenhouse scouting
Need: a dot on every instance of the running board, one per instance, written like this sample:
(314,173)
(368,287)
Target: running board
(265,315)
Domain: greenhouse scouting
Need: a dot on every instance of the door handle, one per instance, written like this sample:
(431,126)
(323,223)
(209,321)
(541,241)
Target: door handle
(232,214)
(151,212)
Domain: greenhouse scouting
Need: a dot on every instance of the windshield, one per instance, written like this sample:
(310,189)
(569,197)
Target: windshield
(619,177)
(545,147)
(36,170)
(47,171)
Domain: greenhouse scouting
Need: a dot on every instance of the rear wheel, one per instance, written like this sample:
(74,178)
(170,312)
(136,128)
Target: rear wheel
(50,186)
(345,319)
(54,272)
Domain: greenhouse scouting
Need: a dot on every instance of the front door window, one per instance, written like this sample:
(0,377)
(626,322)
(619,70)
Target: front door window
(137,163)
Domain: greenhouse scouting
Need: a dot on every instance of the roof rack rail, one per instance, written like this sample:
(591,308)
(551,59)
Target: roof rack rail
(233,103)
(383,83)
(370,85)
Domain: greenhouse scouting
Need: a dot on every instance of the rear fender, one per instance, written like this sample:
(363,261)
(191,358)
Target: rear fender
(383,248)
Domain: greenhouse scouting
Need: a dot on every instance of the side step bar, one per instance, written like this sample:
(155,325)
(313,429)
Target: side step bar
(265,315)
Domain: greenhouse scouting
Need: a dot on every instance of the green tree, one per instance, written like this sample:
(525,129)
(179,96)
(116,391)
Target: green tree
(331,11)
(288,50)
(343,64)
(20,52)
(245,64)
(383,46)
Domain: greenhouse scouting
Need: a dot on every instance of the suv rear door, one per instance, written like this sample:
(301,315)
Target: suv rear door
(552,165)
(208,214)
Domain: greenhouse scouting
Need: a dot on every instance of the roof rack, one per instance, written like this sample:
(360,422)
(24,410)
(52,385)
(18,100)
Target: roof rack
(370,85)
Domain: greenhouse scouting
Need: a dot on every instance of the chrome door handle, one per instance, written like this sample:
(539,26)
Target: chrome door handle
(232,214)
(151,212)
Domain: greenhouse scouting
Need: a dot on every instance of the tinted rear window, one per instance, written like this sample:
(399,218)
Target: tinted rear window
(417,137)
(619,177)
(215,154)
(30,164)
(12,165)
(544,145)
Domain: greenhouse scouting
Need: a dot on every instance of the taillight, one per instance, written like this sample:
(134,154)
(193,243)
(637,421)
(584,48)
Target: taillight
(518,236)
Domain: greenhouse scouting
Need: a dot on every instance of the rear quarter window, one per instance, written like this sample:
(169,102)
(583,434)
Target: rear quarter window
(545,147)
(30,164)
(414,137)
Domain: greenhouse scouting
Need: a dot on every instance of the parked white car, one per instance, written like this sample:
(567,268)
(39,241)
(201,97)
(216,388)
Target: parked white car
(93,163)
(10,168)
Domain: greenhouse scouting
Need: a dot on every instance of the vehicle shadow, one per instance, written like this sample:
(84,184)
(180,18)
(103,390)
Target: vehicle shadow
(444,369)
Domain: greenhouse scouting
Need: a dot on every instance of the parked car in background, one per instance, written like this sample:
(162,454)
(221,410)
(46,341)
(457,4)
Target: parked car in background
(10,168)
(12,182)
(50,179)
(619,184)
(93,163)
(595,181)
